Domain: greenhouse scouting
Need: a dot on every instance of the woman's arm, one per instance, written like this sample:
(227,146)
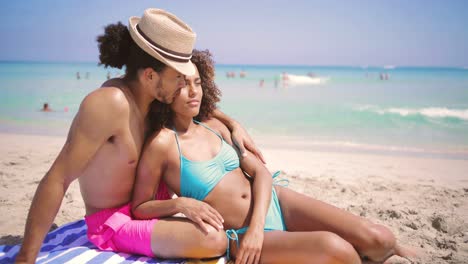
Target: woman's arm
(239,135)
(251,246)
(151,169)
(262,180)
(261,192)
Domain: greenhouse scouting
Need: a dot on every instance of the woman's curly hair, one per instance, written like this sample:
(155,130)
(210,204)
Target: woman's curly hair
(160,114)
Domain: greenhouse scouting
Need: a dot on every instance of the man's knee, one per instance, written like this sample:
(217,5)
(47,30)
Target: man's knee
(215,242)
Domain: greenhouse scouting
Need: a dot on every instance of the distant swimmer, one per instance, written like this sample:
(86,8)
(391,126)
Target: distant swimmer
(46,108)
(383,76)
(78,75)
(108,75)
(242,74)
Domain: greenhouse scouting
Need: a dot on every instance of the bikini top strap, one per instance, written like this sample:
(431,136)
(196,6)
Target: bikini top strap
(177,141)
(207,127)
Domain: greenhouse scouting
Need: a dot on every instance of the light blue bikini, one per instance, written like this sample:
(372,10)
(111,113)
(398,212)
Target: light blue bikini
(198,178)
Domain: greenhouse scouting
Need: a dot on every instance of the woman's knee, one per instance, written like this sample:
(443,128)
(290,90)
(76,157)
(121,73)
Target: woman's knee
(337,249)
(379,241)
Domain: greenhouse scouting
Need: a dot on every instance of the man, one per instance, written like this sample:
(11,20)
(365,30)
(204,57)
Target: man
(105,140)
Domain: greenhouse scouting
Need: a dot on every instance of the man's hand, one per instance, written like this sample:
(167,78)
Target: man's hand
(200,213)
(243,141)
(251,247)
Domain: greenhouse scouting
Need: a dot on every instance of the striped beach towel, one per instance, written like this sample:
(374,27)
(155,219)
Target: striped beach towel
(69,244)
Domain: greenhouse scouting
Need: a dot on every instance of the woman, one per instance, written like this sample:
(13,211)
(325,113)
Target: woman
(201,164)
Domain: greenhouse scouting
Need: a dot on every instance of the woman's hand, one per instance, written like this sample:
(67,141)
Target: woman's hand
(243,141)
(250,247)
(200,213)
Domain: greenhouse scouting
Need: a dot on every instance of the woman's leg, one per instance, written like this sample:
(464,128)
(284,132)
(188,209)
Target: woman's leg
(181,238)
(303,213)
(305,247)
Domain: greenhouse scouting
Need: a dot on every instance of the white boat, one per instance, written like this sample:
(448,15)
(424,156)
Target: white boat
(292,79)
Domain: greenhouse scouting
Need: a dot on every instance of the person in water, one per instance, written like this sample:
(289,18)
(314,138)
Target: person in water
(46,108)
(192,153)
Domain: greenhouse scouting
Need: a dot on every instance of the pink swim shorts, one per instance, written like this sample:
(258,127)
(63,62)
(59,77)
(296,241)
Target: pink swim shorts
(115,230)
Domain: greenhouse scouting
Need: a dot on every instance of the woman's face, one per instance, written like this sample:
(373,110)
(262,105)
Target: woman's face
(188,99)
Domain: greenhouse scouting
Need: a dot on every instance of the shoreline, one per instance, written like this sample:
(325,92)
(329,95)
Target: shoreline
(301,143)
(422,200)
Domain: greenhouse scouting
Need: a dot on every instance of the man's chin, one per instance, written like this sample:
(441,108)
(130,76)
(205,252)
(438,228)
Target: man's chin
(165,100)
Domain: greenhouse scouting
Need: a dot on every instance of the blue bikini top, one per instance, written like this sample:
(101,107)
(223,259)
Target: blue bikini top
(198,178)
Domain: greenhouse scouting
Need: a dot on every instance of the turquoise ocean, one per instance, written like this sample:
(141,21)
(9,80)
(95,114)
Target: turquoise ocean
(414,111)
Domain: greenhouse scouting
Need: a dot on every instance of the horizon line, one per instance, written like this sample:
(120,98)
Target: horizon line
(364,66)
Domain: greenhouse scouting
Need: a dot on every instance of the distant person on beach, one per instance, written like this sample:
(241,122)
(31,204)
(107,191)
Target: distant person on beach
(261,83)
(78,75)
(285,79)
(265,221)
(46,108)
(108,76)
(102,152)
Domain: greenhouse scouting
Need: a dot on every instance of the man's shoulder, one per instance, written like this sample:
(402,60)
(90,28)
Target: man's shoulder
(106,100)
(114,83)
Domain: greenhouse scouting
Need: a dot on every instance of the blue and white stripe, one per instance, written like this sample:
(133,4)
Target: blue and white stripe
(69,244)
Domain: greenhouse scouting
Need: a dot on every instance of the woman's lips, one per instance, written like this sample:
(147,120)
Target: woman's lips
(193,103)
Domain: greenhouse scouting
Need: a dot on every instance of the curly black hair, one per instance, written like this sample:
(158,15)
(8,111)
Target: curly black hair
(117,49)
(160,114)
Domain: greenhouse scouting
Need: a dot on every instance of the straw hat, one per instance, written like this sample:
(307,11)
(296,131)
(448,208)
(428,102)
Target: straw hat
(165,37)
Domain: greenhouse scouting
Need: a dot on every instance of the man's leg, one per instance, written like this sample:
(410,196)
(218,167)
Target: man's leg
(178,237)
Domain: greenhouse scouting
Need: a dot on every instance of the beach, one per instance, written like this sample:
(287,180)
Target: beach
(423,200)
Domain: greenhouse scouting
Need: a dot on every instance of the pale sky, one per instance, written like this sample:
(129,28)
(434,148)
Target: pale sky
(328,32)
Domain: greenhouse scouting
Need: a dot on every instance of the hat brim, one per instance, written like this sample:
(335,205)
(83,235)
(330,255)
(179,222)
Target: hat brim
(186,68)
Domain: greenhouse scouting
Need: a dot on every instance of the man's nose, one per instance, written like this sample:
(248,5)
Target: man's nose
(182,83)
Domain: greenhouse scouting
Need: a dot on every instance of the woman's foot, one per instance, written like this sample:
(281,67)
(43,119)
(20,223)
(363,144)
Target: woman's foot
(409,253)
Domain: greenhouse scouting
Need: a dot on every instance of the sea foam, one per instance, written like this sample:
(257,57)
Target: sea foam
(430,112)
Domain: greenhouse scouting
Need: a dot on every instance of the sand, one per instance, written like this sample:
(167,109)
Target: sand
(423,200)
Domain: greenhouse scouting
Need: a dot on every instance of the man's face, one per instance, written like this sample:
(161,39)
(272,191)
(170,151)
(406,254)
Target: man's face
(169,84)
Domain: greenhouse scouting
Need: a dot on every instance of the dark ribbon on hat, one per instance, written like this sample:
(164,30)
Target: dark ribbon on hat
(171,52)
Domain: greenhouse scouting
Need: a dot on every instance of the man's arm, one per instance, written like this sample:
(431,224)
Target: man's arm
(239,135)
(89,130)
